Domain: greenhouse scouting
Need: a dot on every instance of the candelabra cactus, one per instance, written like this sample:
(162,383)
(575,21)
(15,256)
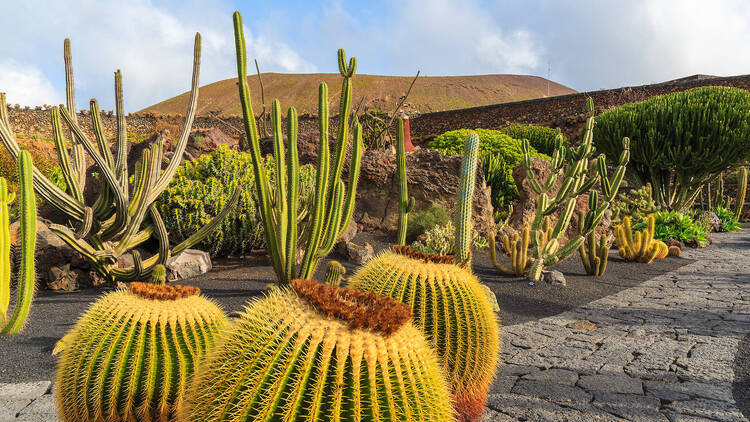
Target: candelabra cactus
(450,305)
(316,352)
(639,245)
(405,203)
(334,273)
(27,270)
(132,354)
(594,256)
(333,205)
(123,216)
(578,178)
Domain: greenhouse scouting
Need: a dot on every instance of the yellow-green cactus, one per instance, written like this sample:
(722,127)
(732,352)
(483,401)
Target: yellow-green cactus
(639,245)
(132,354)
(320,353)
(452,309)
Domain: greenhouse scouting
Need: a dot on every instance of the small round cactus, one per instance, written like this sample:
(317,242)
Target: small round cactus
(316,352)
(131,355)
(453,311)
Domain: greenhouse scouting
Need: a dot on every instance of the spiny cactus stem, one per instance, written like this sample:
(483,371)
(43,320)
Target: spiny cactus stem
(403,194)
(465,198)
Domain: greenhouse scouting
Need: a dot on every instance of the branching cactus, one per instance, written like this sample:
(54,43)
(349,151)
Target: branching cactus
(131,356)
(639,245)
(405,203)
(27,271)
(123,216)
(593,255)
(333,203)
(320,353)
(572,164)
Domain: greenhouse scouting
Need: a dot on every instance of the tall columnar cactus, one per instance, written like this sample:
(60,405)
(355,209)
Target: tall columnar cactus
(123,216)
(27,269)
(639,245)
(578,179)
(405,203)
(741,191)
(465,199)
(593,255)
(132,354)
(333,204)
(320,353)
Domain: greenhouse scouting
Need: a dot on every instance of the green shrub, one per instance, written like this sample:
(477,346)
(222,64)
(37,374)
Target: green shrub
(499,155)
(677,226)
(201,188)
(441,240)
(422,221)
(679,141)
(541,138)
(636,204)
(729,222)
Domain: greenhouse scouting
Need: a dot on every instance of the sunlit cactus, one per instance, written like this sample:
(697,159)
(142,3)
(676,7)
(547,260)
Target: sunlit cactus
(593,255)
(314,352)
(405,203)
(132,354)
(334,273)
(639,245)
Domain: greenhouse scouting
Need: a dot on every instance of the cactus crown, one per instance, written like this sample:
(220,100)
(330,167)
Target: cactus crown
(358,309)
(426,257)
(162,292)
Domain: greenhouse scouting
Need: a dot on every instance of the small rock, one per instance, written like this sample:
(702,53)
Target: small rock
(709,220)
(554,277)
(359,254)
(582,325)
(62,278)
(125,261)
(189,263)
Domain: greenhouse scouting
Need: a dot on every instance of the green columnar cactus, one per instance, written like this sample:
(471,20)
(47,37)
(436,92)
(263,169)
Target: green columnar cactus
(405,203)
(741,191)
(465,199)
(578,179)
(320,353)
(27,269)
(159,275)
(123,216)
(132,354)
(334,273)
(333,204)
(593,256)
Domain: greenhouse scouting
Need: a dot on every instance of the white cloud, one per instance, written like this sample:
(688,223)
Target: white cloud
(24,84)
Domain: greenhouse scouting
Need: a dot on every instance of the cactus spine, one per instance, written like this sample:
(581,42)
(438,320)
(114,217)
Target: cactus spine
(334,273)
(741,192)
(593,256)
(333,205)
(117,222)
(405,203)
(465,199)
(132,354)
(27,269)
(320,353)
(639,245)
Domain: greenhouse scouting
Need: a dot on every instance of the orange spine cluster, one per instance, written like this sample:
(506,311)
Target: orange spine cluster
(162,292)
(426,257)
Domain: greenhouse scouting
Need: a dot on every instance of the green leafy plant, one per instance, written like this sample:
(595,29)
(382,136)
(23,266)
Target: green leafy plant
(441,240)
(499,154)
(680,141)
(201,188)
(678,226)
(636,204)
(422,221)
(729,222)
(540,138)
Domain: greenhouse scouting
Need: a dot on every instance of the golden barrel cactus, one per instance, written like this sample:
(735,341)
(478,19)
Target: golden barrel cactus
(452,309)
(131,355)
(320,353)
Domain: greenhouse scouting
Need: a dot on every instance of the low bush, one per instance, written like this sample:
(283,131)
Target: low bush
(540,137)
(673,225)
(422,221)
(729,222)
(499,154)
(441,240)
(201,188)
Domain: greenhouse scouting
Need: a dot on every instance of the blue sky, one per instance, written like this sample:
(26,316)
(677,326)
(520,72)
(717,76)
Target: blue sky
(590,44)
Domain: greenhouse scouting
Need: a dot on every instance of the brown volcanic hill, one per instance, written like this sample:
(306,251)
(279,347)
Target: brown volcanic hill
(430,93)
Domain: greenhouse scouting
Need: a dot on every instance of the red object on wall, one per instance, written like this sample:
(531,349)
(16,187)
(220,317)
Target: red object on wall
(408,146)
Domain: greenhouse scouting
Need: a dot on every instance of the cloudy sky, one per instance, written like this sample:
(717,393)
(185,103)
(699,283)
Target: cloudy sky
(589,44)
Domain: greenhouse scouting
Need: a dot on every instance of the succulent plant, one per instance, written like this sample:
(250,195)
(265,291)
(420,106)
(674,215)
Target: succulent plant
(132,354)
(594,255)
(313,352)
(639,245)
(27,270)
(405,204)
(334,273)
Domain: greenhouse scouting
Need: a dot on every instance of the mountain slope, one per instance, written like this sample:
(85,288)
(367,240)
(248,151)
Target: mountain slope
(430,93)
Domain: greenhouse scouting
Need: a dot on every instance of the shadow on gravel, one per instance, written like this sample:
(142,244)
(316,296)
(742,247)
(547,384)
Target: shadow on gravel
(741,386)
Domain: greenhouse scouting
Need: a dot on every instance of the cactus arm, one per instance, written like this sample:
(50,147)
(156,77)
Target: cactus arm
(210,226)
(71,179)
(251,131)
(79,161)
(150,169)
(121,161)
(27,273)
(335,213)
(354,169)
(465,198)
(101,139)
(4,251)
(292,188)
(3,111)
(741,191)
(403,194)
(179,150)
(279,210)
(321,184)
